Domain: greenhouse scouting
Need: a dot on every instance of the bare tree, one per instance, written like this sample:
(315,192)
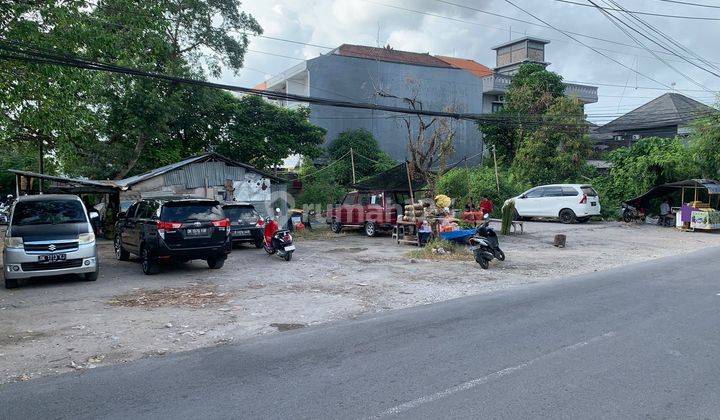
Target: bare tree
(430,140)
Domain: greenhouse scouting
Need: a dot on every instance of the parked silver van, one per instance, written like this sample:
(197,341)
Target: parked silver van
(49,235)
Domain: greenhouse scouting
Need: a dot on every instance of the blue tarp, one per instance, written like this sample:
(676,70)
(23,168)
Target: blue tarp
(460,236)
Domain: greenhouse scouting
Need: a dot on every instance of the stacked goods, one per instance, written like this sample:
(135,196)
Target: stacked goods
(414,212)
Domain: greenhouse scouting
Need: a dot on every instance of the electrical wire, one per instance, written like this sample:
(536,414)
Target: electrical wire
(617,21)
(687,3)
(635,12)
(586,45)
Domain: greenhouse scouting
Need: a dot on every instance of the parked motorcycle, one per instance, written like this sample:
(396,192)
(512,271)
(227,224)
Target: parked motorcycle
(4,214)
(485,245)
(632,214)
(278,241)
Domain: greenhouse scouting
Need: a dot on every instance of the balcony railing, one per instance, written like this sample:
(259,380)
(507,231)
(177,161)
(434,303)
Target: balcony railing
(498,84)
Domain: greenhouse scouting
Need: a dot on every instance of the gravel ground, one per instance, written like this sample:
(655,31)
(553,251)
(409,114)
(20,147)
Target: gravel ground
(56,325)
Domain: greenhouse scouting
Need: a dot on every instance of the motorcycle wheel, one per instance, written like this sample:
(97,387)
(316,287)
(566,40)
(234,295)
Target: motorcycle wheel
(269,250)
(288,256)
(627,217)
(500,255)
(484,264)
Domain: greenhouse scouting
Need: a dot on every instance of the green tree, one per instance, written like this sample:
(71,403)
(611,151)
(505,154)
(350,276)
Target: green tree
(109,125)
(705,145)
(557,150)
(369,158)
(471,184)
(263,134)
(532,91)
(649,162)
(320,186)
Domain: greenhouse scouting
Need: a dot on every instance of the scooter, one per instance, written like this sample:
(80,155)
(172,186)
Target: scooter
(278,241)
(485,245)
(631,213)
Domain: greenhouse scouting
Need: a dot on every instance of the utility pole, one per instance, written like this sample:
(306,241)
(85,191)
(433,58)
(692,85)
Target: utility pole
(41,163)
(497,178)
(352,163)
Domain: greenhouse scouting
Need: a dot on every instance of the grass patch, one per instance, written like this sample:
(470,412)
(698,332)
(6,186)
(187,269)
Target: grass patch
(440,250)
(317,234)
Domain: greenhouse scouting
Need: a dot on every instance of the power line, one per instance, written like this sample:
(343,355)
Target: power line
(642,13)
(475,9)
(687,3)
(615,20)
(673,42)
(588,46)
(30,55)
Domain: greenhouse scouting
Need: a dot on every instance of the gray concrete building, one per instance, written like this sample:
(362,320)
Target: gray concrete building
(385,76)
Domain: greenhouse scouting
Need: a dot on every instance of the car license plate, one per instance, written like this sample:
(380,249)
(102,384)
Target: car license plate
(242,233)
(197,232)
(290,248)
(51,258)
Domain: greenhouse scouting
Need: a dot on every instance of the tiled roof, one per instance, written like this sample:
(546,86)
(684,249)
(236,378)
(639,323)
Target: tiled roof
(466,64)
(387,54)
(666,110)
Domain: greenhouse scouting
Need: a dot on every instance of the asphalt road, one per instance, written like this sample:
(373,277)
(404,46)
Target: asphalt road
(641,341)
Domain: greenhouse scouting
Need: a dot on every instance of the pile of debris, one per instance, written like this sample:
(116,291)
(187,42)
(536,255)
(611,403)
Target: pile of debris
(194,296)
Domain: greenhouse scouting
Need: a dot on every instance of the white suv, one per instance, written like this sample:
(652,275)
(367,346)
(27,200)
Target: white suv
(568,202)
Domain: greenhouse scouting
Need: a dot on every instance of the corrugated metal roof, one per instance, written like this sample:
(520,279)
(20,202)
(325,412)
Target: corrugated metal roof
(128,182)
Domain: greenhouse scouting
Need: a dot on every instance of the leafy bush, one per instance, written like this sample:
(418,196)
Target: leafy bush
(465,184)
(649,162)
(320,186)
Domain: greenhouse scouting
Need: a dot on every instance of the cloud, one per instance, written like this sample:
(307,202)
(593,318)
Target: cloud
(373,22)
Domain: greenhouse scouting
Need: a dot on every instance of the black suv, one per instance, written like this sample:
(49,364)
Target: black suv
(245,223)
(165,229)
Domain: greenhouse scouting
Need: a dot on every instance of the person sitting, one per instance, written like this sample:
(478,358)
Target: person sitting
(424,232)
(486,205)
(448,224)
(471,213)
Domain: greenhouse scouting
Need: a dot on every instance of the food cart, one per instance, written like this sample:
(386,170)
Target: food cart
(699,202)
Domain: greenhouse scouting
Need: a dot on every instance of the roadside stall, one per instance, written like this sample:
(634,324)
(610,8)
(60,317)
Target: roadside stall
(699,200)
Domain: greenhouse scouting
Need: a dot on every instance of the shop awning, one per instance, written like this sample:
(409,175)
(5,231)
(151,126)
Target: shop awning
(394,179)
(712,187)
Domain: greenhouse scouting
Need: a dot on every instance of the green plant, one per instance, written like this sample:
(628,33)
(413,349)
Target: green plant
(451,251)
(465,184)
(508,214)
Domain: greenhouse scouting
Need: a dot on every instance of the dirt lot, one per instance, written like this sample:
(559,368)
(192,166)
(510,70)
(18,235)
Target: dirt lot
(56,325)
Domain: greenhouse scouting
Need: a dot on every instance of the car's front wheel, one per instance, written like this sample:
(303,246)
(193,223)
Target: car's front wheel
(335,226)
(11,283)
(92,276)
(370,229)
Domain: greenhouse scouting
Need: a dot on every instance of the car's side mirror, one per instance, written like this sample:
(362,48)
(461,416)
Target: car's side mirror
(523,197)
(94,215)
(121,215)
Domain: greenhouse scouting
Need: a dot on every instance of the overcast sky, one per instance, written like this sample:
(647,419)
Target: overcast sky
(472,34)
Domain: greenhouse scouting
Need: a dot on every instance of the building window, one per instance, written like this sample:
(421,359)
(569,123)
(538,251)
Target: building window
(497,107)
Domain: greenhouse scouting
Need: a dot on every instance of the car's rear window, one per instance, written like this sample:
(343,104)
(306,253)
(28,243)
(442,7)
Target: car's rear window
(48,212)
(191,212)
(589,191)
(241,214)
